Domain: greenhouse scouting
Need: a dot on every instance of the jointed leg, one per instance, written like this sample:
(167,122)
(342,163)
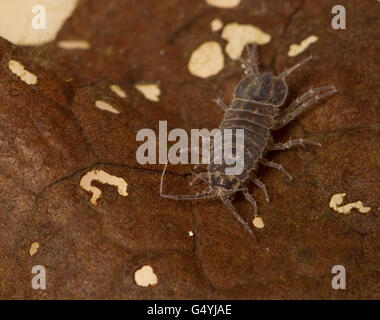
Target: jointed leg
(262,186)
(276,166)
(307,95)
(310,93)
(221,103)
(237,216)
(292,143)
(251,200)
(202,176)
(301,103)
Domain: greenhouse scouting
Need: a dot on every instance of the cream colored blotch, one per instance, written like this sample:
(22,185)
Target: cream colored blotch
(225,4)
(74,44)
(337,200)
(207,60)
(16,19)
(145,277)
(238,35)
(106,106)
(18,69)
(33,248)
(296,49)
(150,91)
(216,25)
(102,177)
(258,222)
(119,91)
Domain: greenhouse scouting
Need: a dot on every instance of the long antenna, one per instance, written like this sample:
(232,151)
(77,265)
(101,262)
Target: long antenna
(290,70)
(207,194)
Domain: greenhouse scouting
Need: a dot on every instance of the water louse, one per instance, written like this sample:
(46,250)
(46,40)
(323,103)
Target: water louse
(256,108)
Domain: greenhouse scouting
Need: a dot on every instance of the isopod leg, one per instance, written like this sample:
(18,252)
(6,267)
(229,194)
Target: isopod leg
(292,143)
(251,200)
(276,166)
(202,176)
(301,103)
(263,187)
(307,95)
(236,215)
(221,103)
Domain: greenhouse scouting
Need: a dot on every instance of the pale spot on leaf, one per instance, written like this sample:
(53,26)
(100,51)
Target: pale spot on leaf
(337,200)
(18,69)
(33,248)
(106,106)
(296,49)
(119,91)
(105,178)
(216,25)
(74,45)
(226,4)
(16,18)
(150,91)
(238,35)
(258,222)
(207,60)
(145,277)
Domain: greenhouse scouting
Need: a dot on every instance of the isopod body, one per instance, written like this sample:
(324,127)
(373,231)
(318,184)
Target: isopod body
(257,108)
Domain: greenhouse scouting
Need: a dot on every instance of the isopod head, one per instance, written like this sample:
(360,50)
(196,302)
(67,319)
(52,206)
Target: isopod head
(263,87)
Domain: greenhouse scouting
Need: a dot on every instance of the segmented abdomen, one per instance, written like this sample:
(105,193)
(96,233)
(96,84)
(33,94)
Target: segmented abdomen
(256,120)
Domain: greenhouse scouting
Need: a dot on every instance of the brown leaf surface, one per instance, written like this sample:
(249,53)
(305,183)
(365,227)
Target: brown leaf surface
(51,134)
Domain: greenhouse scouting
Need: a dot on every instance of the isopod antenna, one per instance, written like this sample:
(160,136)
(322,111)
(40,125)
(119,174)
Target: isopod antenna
(290,70)
(207,194)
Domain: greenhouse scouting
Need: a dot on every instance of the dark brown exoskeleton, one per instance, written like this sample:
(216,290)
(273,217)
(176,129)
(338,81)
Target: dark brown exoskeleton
(256,108)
